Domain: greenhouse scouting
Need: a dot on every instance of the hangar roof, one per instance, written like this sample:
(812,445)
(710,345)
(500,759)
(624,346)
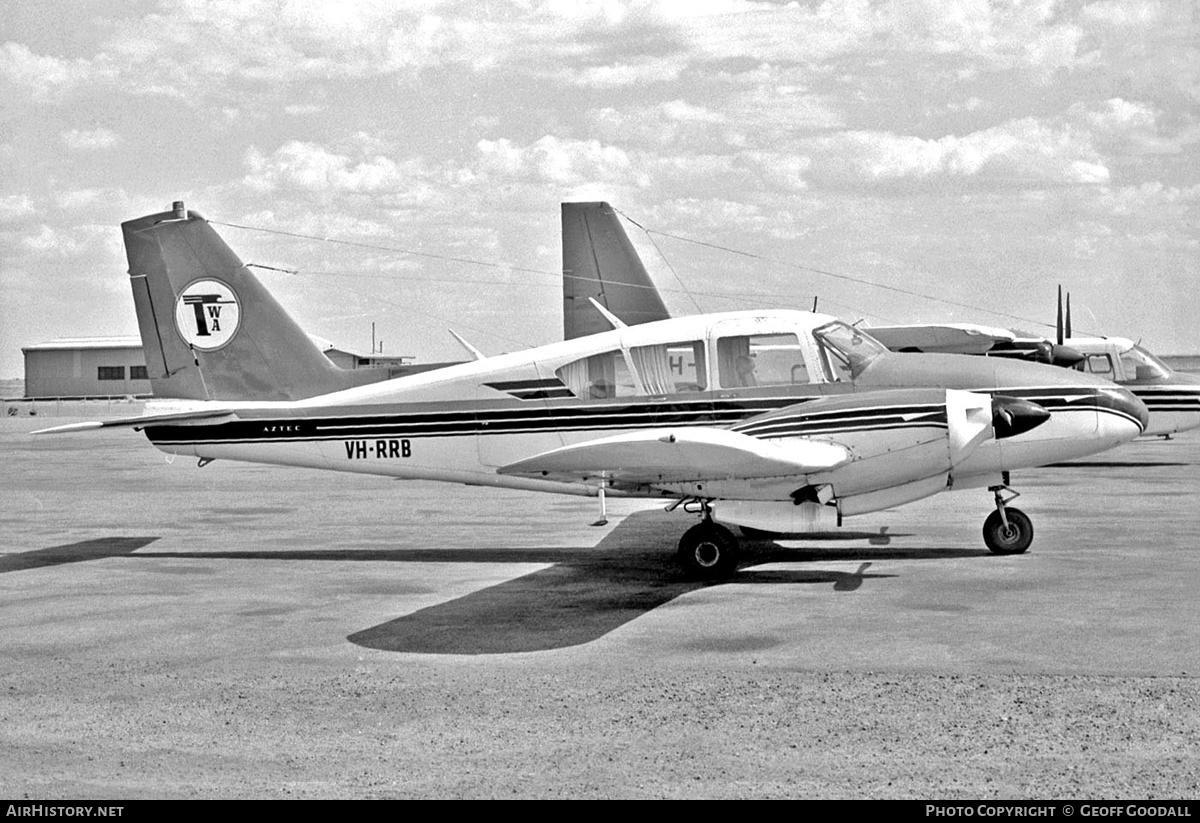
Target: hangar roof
(135,342)
(65,343)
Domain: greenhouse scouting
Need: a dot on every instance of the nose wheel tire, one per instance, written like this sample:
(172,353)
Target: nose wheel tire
(1011,539)
(708,551)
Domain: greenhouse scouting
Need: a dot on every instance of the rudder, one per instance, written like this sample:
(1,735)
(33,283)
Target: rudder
(210,329)
(600,262)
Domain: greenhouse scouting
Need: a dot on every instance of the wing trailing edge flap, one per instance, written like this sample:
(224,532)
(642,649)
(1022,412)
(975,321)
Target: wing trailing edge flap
(206,416)
(666,455)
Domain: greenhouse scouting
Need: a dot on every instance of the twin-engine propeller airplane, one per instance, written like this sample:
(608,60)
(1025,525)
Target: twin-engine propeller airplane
(781,421)
(600,263)
(1173,398)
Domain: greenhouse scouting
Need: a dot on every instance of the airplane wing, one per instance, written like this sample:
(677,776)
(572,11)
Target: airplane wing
(968,338)
(666,455)
(951,338)
(205,415)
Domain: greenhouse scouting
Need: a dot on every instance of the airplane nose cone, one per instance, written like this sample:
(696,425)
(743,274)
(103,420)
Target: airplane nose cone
(1123,401)
(1012,416)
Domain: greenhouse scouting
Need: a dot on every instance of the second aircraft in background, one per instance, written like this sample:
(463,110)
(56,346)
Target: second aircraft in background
(599,262)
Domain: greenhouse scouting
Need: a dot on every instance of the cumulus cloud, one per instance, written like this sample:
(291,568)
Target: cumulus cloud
(312,167)
(15,206)
(668,124)
(89,139)
(1024,152)
(1125,13)
(45,77)
(682,111)
(554,160)
(1153,202)
(51,242)
(784,171)
(1030,35)
(72,199)
(195,46)
(623,74)
(1118,114)
(1135,127)
(302,109)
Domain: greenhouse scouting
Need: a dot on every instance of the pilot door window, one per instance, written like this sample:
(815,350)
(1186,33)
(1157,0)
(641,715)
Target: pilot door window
(599,377)
(748,361)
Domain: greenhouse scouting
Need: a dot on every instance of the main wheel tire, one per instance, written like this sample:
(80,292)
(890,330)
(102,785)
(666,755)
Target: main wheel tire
(1012,540)
(708,551)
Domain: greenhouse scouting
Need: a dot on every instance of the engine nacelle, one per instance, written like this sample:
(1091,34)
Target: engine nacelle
(902,445)
(808,517)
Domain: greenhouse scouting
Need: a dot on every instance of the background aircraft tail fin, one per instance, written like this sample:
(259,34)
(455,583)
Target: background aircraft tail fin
(210,329)
(600,262)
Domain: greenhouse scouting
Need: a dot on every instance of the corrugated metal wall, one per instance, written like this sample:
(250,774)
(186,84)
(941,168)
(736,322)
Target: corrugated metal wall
(77,372)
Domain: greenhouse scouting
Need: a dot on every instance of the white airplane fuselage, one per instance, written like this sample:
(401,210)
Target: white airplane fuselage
(463,422)
(1173,398)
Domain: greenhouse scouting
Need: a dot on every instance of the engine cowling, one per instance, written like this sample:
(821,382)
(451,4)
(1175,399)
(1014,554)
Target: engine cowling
(904,445)
(973,417)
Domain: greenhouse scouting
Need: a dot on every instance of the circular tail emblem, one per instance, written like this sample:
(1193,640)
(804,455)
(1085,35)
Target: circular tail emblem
(207,314)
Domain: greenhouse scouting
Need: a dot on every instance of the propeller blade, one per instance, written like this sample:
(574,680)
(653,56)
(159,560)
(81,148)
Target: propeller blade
(1059,324)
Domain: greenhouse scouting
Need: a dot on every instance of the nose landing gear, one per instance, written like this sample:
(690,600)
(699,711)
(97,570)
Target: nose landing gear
(1007,530)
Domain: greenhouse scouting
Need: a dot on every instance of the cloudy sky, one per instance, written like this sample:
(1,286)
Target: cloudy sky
(904,160)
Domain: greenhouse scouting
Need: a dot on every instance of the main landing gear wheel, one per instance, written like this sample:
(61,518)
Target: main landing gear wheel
(1011,539)
(708,551)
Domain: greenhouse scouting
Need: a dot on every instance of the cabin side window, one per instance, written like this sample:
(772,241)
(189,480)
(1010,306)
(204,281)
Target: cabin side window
(671,368)
(750,360)
(598,377)
(1099,364)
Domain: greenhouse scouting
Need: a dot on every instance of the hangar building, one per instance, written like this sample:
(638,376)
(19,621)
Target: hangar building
(86,367)
(77,367)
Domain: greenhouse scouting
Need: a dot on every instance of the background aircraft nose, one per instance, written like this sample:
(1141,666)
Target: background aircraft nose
(1012,416)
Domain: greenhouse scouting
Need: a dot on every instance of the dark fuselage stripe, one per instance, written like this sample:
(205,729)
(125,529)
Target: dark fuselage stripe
(559,417)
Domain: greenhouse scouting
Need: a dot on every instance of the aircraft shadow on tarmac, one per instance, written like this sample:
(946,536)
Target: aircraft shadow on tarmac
(96,549)
(584,595)
(588,594)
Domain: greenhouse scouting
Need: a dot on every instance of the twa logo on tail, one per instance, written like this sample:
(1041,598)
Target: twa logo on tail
(207,314)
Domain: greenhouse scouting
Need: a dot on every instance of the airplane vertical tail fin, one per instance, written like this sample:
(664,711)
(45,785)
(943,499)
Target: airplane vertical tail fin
(209,328)
(599,262)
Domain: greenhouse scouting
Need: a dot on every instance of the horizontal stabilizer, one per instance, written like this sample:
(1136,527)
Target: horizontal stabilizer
(665,455)
(208,416)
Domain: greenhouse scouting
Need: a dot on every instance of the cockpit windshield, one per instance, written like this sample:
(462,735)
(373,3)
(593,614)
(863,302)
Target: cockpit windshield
(1142,365)
(846,349)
